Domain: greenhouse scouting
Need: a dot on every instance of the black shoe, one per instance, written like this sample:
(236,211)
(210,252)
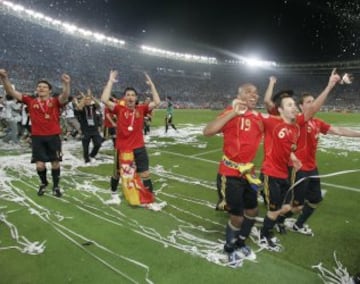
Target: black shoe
(270,243)
(57,192)
(41,190)
(280,228)
(74,133)
(356,278)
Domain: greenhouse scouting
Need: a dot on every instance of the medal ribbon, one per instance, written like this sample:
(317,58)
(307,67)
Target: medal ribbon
(131,126)
(44,110)
(89,112)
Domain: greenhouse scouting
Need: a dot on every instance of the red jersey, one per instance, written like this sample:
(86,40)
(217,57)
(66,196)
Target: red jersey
(273,111)
(44,115)
(107,122)
(242,136)
(130,124)
(279,141)
(308,141)
(149,113)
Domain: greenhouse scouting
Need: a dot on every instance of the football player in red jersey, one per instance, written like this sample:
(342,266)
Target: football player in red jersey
(280,143)
(129,130)
(242,132)
(307,195)
(109,122)
(148,118)
(44,111)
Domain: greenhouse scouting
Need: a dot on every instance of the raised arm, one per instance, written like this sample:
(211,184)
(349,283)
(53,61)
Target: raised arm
(343,131)
(80,103)
(95,100)
(319,101)
(8,86)
(215,126)
(105,97)
(269,104)
(155,95)
(64,96)
(110,117)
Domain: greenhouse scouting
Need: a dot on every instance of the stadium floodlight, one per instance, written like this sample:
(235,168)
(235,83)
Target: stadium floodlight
(37,15)
(55,22)
(177,55)
(40,19)
(109,39)
(251,62)
(69,27)
(48,19)
(18,8)
(85,32)
(99,37)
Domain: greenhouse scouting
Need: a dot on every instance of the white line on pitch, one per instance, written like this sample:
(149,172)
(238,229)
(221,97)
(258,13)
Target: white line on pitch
(341,186)
(189,157)
(216,162)
(204,153)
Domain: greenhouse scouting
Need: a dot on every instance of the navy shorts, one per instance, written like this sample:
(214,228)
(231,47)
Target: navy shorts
(276,191)
(309,189)
(237,193)
(46,148)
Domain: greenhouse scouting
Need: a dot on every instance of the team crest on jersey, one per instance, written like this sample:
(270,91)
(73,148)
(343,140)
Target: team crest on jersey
(311,126)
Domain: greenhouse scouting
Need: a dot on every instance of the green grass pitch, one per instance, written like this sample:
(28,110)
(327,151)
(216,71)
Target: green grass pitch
(79,239)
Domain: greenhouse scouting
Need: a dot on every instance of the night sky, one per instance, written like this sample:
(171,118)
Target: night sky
(286,31)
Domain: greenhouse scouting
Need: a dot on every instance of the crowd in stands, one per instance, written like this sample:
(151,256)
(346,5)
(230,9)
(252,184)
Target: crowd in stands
(30,51)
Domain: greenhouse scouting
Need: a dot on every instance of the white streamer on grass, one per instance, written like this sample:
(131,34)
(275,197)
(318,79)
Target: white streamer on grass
(24,245)
(159,170)
(184,237)
(16,195)
(215,251)
(324,176)
(179,238)
(339,274)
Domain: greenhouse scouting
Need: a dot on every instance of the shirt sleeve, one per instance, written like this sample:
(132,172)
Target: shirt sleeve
(324,127)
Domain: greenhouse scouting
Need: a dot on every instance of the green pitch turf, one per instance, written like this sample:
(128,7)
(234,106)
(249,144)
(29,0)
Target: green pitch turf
(79,239)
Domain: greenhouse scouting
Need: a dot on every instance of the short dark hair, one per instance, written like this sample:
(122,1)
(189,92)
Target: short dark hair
(45,82)
(130,89)
(277,98)
(303,96)
(9,97)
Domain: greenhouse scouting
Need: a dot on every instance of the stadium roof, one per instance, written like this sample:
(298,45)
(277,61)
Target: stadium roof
(285,31)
